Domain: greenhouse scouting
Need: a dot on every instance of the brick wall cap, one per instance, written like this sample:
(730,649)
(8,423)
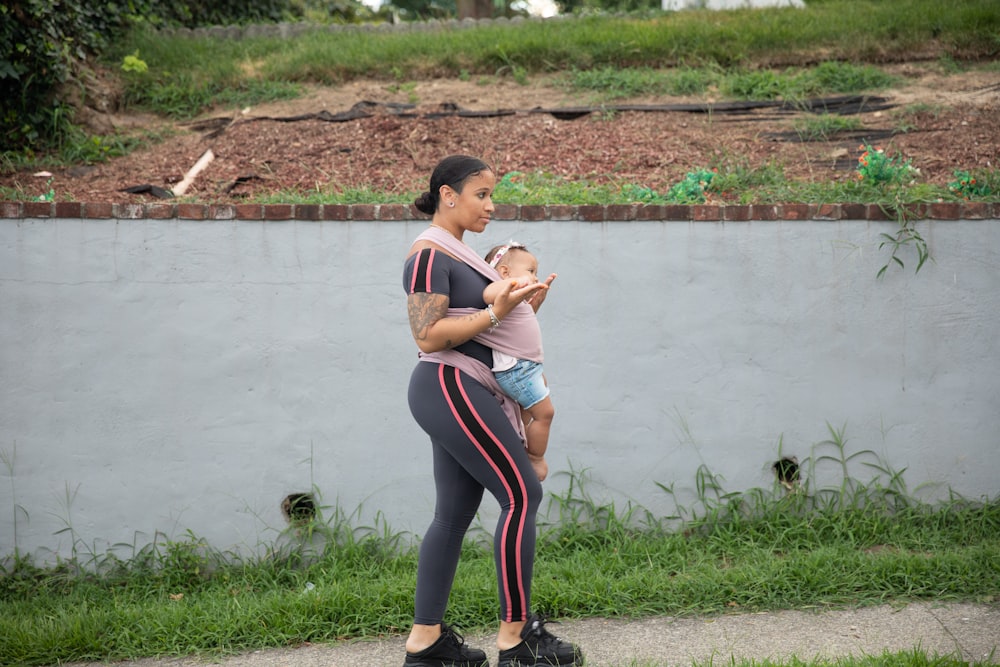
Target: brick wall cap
(709,212)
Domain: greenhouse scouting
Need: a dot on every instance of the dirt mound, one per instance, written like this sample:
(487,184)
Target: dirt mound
(387,136)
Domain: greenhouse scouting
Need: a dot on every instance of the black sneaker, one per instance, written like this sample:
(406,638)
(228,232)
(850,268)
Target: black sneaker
(540,648)
(450,650)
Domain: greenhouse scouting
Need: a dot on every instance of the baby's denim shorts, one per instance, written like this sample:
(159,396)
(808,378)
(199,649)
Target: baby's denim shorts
(524,383)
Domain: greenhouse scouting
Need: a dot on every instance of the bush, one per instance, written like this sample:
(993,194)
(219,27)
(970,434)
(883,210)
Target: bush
(40,42)
(44,42)
(196,13)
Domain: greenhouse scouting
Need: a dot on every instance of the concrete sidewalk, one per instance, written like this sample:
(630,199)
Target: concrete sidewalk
(968,632)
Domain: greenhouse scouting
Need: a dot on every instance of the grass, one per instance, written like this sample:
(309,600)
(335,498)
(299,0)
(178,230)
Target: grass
(825,126)
(843,544)
(796,83)
(78,148)
(772,54)
(611,83)
(734,183)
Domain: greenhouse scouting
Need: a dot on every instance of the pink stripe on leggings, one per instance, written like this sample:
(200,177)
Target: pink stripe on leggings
(504,565)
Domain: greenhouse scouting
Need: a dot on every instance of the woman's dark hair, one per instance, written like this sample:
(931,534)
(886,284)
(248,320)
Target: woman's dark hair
(452,171)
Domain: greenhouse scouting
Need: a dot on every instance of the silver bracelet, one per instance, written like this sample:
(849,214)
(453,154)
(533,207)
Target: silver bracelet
(494,320)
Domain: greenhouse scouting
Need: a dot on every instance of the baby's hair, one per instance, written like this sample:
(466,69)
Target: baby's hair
(500,254)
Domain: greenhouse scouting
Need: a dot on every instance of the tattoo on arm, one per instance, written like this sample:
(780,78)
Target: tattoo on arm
(425,309)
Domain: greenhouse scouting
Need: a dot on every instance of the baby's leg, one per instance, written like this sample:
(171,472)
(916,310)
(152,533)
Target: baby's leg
(537,429)
(536,432)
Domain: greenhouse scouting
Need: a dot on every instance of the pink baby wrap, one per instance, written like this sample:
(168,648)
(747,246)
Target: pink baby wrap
(519,335)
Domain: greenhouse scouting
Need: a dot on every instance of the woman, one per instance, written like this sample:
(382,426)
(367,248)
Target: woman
(475,430)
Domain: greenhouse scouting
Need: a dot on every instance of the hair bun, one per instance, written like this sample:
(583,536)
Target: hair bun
(425,203)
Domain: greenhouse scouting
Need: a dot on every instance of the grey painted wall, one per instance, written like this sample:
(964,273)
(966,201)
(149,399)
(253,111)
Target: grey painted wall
(165,376)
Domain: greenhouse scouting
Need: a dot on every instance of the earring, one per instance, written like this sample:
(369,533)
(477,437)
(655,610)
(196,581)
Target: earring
(452,204)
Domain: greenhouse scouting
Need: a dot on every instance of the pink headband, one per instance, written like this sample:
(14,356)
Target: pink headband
(502,250)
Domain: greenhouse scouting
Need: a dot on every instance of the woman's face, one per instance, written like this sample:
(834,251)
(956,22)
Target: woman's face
(474,205)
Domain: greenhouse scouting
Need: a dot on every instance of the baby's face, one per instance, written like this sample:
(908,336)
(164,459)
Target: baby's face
(523,266)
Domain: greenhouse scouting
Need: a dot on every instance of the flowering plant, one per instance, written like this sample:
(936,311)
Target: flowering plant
(965,185)
(875,167)
(47,196)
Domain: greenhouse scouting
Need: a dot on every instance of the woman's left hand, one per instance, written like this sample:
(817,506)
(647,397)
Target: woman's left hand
(510,296)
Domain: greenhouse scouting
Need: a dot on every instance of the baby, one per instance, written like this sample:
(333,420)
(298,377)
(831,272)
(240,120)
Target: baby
(522,379)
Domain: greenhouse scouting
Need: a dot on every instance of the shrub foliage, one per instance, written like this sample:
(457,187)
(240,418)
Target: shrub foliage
(43,41)
(40,40)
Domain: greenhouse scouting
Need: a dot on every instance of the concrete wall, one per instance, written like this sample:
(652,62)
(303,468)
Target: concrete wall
(174,375)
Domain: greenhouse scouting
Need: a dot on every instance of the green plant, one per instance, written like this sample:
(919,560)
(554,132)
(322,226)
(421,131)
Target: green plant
(763,84)
(842,77)
(133,63)
(690,80)
(40,49)
(9,460)
(764,183)
(337,11)
(511,187)
(693,189)
(192,14)
(615,82)
(876,167)
(639,193)
(187,563)
(50,195)
(906,235)
(411,92)
(509,65)
(967,186)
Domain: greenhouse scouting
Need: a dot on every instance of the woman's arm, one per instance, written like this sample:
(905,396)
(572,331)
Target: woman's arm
(433,330)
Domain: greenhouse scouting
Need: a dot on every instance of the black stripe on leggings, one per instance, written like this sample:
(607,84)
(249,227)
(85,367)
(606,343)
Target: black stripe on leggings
(510,476)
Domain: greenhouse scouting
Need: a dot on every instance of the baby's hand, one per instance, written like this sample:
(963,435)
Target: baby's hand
(536,299)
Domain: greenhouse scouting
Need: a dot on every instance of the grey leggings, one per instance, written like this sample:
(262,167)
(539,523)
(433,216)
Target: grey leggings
(475,448)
